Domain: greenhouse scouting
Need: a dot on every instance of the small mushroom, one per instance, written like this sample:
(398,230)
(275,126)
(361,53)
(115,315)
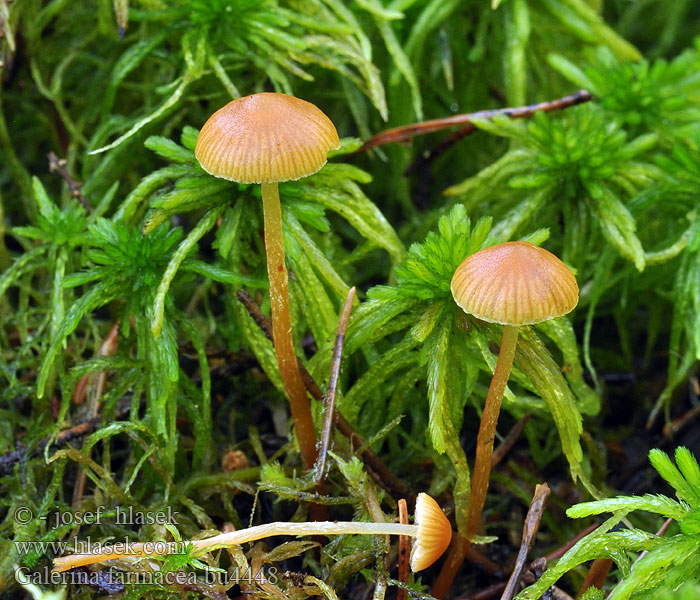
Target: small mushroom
(266,138)
(514,284)
(432,531)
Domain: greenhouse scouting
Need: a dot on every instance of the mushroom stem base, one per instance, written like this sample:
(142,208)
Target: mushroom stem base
(482,463)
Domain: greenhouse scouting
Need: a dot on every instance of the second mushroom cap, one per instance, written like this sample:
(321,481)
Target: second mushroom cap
(515,283)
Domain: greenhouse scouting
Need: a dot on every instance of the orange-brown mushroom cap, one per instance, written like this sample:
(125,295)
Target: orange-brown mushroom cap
(434,533)
(264,138)
(516,283)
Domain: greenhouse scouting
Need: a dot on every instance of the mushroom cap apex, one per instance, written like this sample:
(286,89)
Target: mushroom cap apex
(434,533)
(264,138)
(515,283)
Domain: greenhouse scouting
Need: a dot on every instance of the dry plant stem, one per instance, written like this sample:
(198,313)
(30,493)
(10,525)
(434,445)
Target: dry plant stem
(329,399)
(557,553)
(532,524)
(108,348)
(596,574)
(319,511)
(405,133)
(423,161)
(234,538)
(482,463)
(282,325)
(507,444)
(376,468)
(404,551)
(59,165)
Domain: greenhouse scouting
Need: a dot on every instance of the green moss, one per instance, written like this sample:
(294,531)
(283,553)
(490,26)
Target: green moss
(130,232)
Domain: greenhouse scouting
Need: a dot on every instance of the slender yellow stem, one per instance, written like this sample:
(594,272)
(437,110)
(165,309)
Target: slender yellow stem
(282,325)
(482,463)
(233,538)
(487,427)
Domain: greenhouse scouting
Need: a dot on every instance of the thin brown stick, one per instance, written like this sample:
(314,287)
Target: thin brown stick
(530,575)
(482,462)
(405,133)
(421,163)
(376,467)
(564,548)
(596,574)
(505,446)
(670,429)
(661,531)
(58,165)
(532,524)
(485,564)
(107,348)
(490,592)
(404,551)
(329,399)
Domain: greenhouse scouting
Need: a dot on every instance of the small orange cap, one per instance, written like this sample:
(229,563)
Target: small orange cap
(434,533)
(516,283)
(264,138)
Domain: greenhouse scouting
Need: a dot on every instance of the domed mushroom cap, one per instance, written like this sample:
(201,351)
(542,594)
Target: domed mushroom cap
(434,533)
(264,138)
(516,283)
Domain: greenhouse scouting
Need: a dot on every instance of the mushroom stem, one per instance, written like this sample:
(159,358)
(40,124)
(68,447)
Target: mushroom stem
(487,427)
(482,463)
(282,325)
(233,538)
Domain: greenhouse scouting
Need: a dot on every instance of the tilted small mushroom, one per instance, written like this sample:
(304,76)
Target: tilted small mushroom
(432,531)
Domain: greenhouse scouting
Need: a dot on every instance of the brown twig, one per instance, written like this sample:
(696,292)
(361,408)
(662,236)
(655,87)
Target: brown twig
(564,548)
(596,574)
(421,163)
(58,165)
(490,592)
(505,446)
(107,348)
(532,524)
(404,551)
(670,429)
(329,399)
(533,572)
(375,466)
(405,133)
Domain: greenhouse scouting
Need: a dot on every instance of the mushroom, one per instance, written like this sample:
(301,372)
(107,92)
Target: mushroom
(432,531)
(514,284)
(266,138)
